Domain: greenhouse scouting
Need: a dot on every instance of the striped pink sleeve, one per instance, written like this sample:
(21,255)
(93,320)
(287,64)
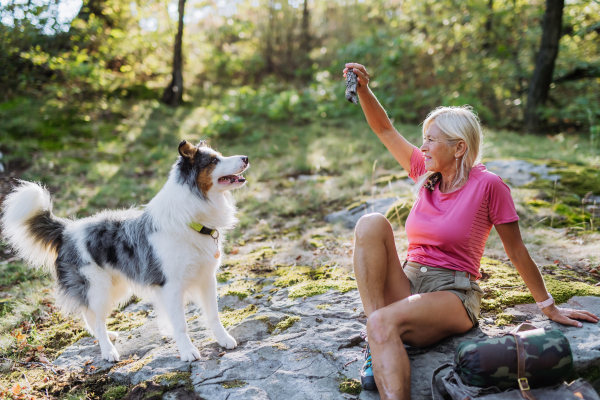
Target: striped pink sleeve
(417,164)
(501,205)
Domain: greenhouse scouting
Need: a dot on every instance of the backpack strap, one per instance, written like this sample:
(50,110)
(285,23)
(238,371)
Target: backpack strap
(523,384)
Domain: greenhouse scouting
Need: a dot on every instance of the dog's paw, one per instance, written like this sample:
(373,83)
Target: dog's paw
(111,355)
(227,341)
(189,354)
(113,335)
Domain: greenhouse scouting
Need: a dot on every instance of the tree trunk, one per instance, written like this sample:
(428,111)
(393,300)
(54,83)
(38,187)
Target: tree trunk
(305,44)
(488,26)
(173,94)
(539,86)
(290,64)
(269,50)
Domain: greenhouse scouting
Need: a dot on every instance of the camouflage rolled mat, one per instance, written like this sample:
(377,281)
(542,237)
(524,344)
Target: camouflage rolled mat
(493,361)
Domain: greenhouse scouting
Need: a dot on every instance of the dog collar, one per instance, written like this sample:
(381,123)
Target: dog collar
(204,230)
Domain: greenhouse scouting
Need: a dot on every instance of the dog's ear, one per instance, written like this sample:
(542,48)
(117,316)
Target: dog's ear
(202,143)
(187,150)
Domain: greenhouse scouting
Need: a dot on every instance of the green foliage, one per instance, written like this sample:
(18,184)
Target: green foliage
(421,54)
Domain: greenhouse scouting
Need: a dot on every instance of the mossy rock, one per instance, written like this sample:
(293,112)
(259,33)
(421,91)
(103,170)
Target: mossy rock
(351,386)
(504,287)
(315,288)
(229,318)
(287,323)
(236,383)
(240,289)
(580,180)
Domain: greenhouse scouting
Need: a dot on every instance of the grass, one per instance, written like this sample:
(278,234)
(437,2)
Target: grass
(121,158)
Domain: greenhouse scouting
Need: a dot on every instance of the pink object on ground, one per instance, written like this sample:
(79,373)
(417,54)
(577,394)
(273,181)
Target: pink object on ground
(450,229)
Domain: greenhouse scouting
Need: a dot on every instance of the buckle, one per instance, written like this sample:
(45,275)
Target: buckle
(523,384)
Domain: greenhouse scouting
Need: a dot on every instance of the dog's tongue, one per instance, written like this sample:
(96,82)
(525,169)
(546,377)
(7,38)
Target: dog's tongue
(229,179)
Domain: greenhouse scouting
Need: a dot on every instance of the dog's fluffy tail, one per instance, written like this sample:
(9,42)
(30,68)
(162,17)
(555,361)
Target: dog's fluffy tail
(29,226)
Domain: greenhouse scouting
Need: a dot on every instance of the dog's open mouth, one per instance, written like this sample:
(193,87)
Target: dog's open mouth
(229,179)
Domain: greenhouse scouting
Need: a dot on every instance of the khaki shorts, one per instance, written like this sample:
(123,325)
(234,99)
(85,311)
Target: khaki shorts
(426,279)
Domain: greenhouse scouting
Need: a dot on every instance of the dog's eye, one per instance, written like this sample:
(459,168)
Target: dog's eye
(214,160)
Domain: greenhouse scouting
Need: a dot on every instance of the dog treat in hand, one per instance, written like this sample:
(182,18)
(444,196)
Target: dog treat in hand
(351,83)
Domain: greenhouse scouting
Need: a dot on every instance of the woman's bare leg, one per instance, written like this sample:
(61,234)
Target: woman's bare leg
(419,320)
(379,275)
(396,317)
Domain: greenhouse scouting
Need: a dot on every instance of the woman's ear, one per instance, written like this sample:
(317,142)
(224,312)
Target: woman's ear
(461,149)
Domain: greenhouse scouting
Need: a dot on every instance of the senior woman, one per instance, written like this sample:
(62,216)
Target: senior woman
(434,294)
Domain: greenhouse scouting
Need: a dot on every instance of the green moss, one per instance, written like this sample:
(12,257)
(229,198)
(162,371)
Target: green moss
(323,306)
(136,366)
(537,203)
(234,317)
(265,318)
(314,288)
(580,180)
(126,321)
(175,379)
(233,384)
(316,243)
(115,393)
(240,289)
(351,386)
(504,319)
(287,323)
(223,277)
(505,288)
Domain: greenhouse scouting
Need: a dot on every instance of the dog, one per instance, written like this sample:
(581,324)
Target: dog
(169,249)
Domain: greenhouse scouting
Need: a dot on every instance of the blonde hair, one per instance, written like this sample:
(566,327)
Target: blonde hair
(458,123)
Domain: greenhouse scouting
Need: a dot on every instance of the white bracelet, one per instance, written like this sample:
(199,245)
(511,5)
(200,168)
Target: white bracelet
(545,303)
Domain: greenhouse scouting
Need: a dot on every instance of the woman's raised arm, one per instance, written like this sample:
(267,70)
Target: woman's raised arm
(519,256)
(378,120)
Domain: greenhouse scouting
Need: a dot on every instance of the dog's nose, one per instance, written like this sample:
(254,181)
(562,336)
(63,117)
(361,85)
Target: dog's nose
(245,160)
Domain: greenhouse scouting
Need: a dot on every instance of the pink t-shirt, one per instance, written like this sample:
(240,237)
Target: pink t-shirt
(450,229)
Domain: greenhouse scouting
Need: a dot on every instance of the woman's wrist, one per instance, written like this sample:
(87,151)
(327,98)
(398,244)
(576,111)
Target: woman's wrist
(545,303)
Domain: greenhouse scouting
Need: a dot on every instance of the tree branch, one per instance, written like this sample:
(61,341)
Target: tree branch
(579,73)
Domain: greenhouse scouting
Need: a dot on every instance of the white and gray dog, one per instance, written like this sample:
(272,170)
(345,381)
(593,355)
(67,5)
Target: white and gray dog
(168,249)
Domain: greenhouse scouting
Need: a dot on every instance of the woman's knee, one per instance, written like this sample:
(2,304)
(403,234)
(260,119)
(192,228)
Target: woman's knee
(382,325)
(371,226)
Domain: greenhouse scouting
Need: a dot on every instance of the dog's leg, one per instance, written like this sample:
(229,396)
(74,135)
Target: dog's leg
(95,317)
(90,321)
(208,298)
(172,301)
(100,296)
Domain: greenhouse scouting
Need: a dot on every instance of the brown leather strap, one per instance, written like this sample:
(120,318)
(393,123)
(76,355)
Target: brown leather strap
(523,383)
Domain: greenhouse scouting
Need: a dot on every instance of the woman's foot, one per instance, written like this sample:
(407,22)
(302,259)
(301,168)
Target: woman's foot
(367,380)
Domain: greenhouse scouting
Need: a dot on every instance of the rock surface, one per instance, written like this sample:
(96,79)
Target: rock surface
(307,360)
(520,172)
(350,217)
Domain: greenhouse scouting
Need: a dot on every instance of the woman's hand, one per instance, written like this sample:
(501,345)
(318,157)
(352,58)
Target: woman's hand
(567,316)
(361,73)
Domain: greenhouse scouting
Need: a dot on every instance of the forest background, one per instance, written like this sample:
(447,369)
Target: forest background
(94,100)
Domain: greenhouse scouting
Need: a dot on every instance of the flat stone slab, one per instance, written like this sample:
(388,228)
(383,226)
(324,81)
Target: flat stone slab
(520,172)
(349,218)
(306,361)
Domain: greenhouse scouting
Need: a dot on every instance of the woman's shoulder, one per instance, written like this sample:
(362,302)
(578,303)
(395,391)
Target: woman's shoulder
(487,178)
